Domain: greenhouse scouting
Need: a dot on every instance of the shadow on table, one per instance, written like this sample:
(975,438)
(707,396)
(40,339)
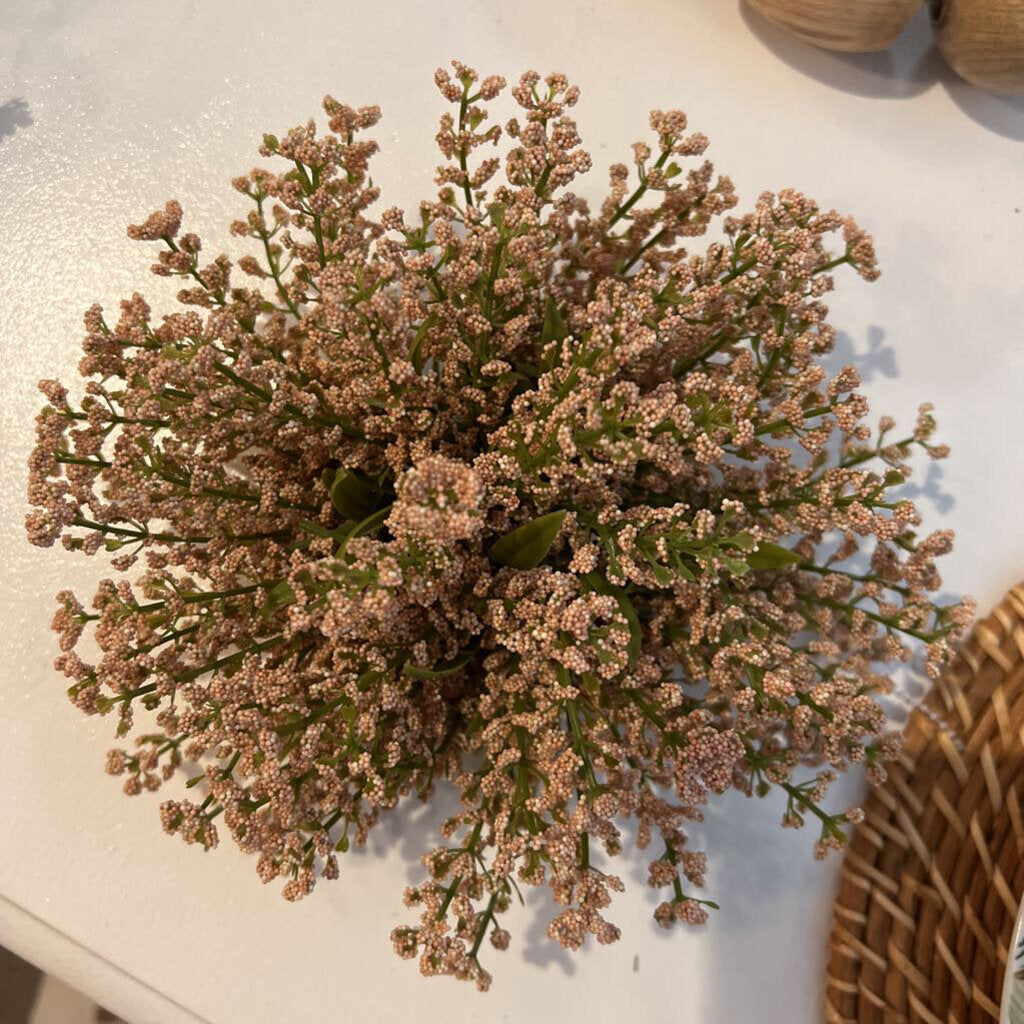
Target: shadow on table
(875,359)
(14,114)
(538,948)
(413,829)
(911,66)
(771,932)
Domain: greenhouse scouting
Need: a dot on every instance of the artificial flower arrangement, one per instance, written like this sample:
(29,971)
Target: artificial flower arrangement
(510,492)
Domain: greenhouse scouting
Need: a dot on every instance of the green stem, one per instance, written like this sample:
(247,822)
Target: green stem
(638,193)
(768,428)
(211,666)
(488,916)
(120,531)
(649,244)
(838,261)
(580,744)
(275,269)
(464,103)
(216,492)
(806,803)
(70,414)
(66,459)
(824,570)
(202,596)
(829,602)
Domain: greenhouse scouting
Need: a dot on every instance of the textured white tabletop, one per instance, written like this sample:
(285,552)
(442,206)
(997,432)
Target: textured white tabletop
(107,109)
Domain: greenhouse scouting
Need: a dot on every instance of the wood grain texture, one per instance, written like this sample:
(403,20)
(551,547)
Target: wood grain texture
(983,41)
(851,25)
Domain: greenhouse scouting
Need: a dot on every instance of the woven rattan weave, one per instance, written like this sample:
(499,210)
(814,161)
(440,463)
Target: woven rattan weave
(933,877)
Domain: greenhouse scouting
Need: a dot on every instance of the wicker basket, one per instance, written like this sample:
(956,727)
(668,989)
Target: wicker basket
(933,878)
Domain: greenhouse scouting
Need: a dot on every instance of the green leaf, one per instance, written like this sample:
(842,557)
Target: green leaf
(446,669)
(417,342)
(497,212)
(367,525)
(366,680)
(309,526)
(735,565)
(671,294)
(554,328)
(526,545)
(353,495)
(771,556)
(663,576)
(682,570)
(599,584)
(743,541)
(279,596)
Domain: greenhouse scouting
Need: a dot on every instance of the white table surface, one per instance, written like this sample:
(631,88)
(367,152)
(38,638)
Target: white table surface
(126,104)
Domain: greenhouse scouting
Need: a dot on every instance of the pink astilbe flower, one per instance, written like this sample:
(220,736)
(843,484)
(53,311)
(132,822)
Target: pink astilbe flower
(503,490)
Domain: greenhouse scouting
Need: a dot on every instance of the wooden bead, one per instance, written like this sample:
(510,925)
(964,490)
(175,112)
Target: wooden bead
(853,25)
(983,41)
